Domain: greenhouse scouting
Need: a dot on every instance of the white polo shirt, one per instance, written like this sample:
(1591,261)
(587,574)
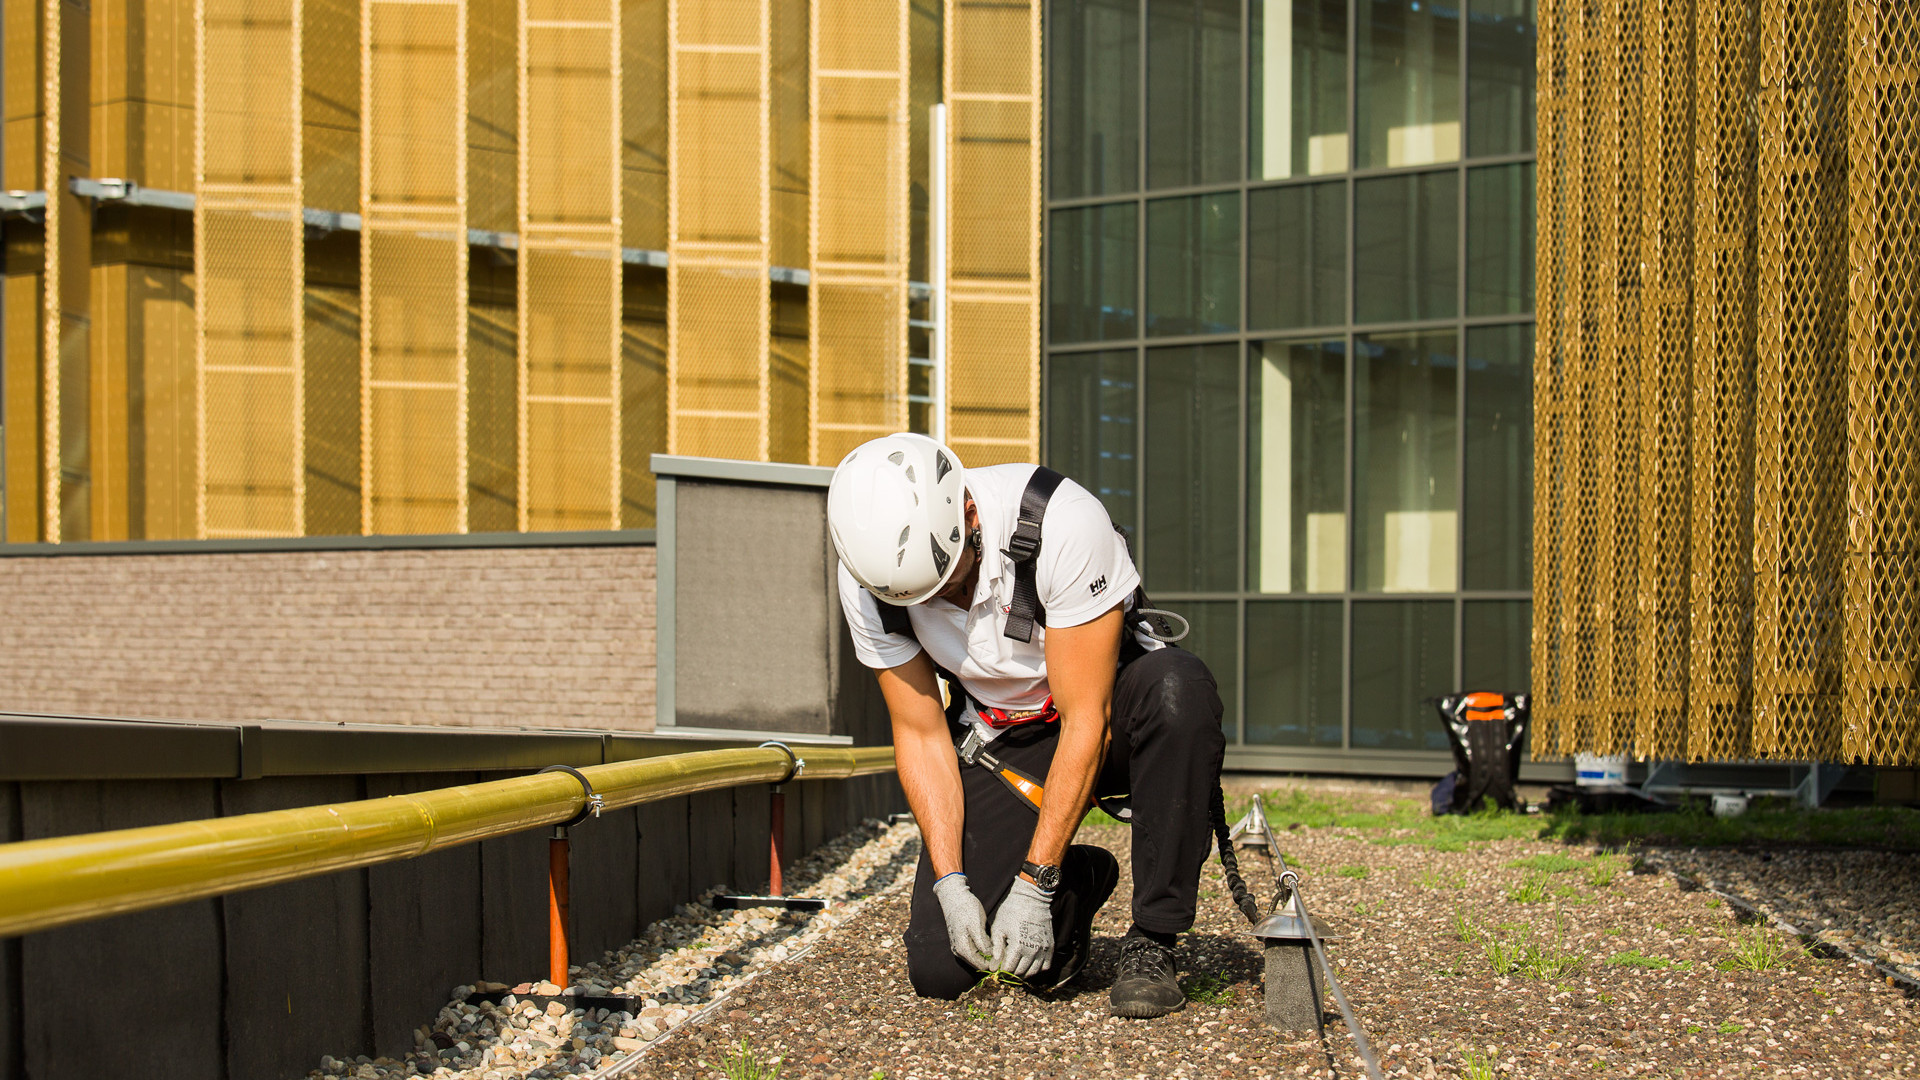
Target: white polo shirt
(1082,572)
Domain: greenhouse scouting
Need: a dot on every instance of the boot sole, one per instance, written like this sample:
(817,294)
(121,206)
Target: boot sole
(1145,1010)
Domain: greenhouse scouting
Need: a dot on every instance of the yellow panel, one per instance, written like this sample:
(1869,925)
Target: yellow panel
(1800,400)
(24,394)
(1881,710)
(859,240)
(992,298)
(643,95)
(330,106)
(1666,339)
(161,335)
(718,308)
(332,409)
(569,285)
(1719,723)
(413,252)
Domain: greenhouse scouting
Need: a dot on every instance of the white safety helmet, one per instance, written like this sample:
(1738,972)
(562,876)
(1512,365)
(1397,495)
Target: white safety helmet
(897,510)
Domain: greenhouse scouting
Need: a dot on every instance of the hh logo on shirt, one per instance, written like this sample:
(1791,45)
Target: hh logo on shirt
(1098,587)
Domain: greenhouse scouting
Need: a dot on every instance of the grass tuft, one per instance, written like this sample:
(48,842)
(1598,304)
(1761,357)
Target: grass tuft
(1552,862)
(1634,958)
(744,1064)
(1533,889)
(1601,871)
(1434,879)
(1353,872)
(1477,1068)
(1728,1027)
(1463,929)
(1760,950)
(1522,955)
(1208,990)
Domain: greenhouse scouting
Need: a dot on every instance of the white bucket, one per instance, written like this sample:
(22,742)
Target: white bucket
(1592,770)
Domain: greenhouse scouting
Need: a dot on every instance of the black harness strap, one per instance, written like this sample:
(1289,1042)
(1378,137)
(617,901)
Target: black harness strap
(1023,551)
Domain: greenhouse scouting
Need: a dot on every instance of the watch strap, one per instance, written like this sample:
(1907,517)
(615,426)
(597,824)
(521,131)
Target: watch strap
(1046,878)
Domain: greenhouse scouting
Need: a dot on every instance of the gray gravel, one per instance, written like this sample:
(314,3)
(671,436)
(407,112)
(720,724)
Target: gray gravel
(1640,991)
(1863,902)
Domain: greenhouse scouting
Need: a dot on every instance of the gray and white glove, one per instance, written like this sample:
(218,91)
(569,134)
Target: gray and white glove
(1023,930)
(966,919)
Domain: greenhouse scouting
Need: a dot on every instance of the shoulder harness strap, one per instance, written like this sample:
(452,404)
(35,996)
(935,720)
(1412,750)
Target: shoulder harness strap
(894,620)
(1024,550)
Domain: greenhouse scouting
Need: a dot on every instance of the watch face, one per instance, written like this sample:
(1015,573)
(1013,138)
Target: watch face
(1047,877)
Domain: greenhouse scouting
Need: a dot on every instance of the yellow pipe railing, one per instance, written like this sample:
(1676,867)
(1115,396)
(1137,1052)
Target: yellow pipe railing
(68,879)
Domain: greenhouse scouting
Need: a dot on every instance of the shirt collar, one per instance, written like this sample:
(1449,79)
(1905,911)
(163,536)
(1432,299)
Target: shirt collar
(994,535)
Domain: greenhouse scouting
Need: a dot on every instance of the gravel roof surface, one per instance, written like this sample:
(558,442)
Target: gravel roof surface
(1608,972)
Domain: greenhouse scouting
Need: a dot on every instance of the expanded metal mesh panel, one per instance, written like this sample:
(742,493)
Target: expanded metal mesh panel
(164,487)
(718,308)
(858,247)
(1720,678)
(570,301)
(1666,342)
(413,275)
(493,124)
(1800,389)
(330,105)
(25,492)
(571,342)
(1881,706)
(251,312)
(1725,554)
(249,255)
(643,146)
(1553,105)
(992,74)
(332,409)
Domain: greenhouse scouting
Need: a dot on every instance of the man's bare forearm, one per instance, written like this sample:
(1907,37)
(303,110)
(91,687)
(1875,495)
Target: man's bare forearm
(930,775)
(1070,780)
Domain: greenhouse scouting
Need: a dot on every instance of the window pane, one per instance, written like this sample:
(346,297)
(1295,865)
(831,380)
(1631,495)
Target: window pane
(1212,640)
(1402,654)
(1296,88)
(1493,652)
(1090,425)
(1293,674)
(1297,256)
(1090,273)
(1297,463)
(1500,36)
(1193,472)
(1093,97)
(1403,462)
(1498,532)
(1408,52)
(1405,238)
(1193,92)
(1500,240)
(1193,265)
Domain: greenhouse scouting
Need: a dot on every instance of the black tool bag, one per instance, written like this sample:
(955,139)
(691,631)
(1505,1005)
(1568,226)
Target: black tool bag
(1488,734)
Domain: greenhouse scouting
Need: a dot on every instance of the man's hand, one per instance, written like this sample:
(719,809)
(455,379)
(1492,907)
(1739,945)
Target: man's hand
(966,919)
(1023,930)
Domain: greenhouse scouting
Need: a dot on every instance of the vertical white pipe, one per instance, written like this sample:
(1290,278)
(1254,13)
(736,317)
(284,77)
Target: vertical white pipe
(937,274)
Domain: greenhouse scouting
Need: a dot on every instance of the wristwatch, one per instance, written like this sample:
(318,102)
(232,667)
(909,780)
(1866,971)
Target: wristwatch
(1046,878)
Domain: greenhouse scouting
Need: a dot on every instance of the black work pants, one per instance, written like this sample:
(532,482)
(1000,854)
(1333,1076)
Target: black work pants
(1165,755)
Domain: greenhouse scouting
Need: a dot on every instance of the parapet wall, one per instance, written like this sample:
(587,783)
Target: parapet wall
(549,637)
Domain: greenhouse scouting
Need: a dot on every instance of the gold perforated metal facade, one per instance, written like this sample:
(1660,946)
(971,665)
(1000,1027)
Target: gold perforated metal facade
(1725,399)
(311,267)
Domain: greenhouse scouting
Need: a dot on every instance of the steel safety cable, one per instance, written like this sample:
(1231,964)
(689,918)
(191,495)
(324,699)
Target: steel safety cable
(1290,881)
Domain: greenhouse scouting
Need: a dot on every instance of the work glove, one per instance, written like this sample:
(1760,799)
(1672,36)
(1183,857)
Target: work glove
(966,919)
(1023,930)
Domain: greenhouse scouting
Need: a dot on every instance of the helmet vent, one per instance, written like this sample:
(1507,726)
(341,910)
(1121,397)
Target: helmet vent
(910,477)
(900,559)
(941,467)
(955,538)
(897,458)
(940,558)
(905,532)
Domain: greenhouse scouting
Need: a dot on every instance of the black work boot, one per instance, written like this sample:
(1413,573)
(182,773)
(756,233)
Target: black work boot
(1090,874)
(1147,985)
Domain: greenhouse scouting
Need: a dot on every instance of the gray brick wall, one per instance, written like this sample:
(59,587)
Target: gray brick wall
(476,637)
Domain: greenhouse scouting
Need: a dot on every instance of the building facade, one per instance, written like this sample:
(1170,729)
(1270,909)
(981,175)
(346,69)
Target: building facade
(1289,343)
(328,267)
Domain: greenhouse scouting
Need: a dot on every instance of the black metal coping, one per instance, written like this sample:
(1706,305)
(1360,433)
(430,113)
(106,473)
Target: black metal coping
(57,747)
(257,545)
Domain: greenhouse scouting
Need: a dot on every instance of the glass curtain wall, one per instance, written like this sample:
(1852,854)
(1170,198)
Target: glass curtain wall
(1290,341)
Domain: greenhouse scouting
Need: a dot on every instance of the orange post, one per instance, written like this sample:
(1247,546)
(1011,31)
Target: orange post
(557,864)
(779,823)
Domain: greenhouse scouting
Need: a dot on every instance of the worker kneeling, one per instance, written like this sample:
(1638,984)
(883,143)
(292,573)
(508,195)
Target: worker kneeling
(1012,582)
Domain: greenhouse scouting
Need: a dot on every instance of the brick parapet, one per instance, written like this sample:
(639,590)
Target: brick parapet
(471,637)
